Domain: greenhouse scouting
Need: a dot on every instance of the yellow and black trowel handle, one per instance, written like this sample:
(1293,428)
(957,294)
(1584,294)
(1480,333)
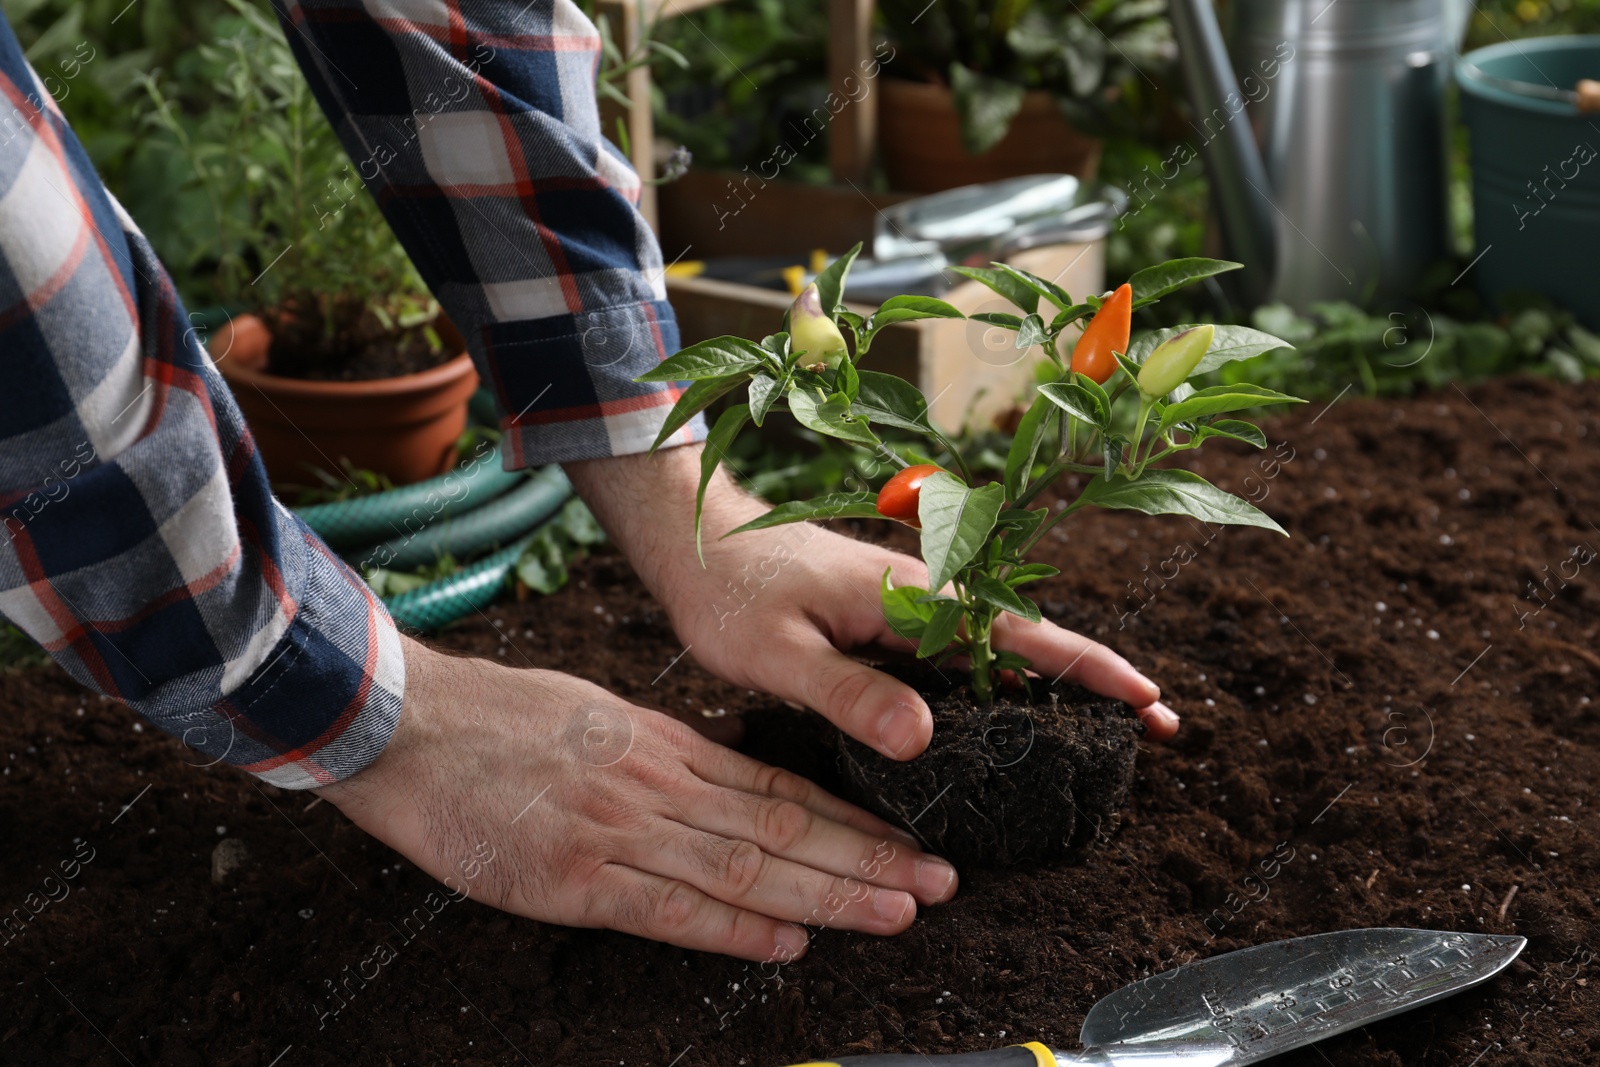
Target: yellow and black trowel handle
(1033,1054)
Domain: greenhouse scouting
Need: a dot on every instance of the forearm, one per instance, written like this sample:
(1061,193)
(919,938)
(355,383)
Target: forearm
(646,504)
(143,548)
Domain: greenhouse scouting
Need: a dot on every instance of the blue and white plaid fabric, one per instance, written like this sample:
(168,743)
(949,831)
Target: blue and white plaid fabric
(144,549)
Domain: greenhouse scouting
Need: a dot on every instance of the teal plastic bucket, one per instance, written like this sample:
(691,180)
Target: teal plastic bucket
(1535,170)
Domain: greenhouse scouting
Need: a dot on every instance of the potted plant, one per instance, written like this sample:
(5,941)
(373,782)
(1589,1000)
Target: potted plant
(341,356)
(1042,767)
(979,91)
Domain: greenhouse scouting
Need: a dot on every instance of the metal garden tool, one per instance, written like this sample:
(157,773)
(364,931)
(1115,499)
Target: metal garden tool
(1246,1006)
(1323,133)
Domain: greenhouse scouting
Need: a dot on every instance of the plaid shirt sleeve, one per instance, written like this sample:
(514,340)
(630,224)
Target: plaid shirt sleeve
(143,548)
(476,128)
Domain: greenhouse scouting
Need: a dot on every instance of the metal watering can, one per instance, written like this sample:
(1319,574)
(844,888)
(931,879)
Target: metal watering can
(1324,137)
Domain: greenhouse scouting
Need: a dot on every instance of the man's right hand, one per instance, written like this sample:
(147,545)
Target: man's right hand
(564,803)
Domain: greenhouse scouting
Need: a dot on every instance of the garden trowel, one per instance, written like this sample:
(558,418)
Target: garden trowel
(1246,1006)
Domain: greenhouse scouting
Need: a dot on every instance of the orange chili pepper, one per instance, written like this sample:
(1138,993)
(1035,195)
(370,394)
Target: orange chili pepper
(1106,333)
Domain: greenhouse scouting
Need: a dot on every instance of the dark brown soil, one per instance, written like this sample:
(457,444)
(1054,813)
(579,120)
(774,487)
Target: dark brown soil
(1040,781)
(1379,710)
(360,349)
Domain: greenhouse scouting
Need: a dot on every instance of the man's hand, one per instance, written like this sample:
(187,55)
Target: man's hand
(570,805)
(778,610)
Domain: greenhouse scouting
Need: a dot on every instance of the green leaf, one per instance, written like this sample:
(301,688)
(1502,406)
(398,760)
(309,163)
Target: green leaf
(1094,389)
(1153,283)
(905,610)
(1079,402)
(956,523)
(891,401)
(826,506)
(1231,343)
(941,629)
(985,106)
(1007,285)
(1003,319)
(764,392)
(1025,444)
(1020,524)
(1228,343)
(830,283)
(1047,289)
(718,441)
(1112,448)
(846,380)
(695,399)
(1032,332)
(541,573)
(1173,492)
(909,308)
(715,358)
(1010,661)
(778,345)
(1248,432)
(1222,398)
(829,416)
(998,594)
(579,523)
(1030,572)
(1069,316)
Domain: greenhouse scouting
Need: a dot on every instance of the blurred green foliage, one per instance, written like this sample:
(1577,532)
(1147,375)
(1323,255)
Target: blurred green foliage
(755,70)
(1096,59)
(264,177)
(200,123)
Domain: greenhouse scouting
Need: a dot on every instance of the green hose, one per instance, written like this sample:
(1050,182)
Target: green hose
(363,520)
(481,408)
(482,509)
(463,535)
(462,593)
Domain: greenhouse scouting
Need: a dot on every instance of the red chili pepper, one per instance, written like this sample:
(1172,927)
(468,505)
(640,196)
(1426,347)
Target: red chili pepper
(899,496)
(1106,333)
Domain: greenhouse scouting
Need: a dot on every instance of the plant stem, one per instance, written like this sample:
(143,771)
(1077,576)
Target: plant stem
(1138,439)
(955,454)
(980,623)
(1051,473)
(1044,526)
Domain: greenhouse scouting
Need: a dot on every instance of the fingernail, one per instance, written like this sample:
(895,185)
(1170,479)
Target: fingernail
(1167,716)
(897,729)
(891,904)
(791,942)
(935,878)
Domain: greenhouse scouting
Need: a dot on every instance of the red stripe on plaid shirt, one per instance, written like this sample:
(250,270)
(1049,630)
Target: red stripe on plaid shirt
(527,195)
(73,634)
(395,25)
(664,398)
(269,568)
(45,131)
(160,371)
(302,754)
(32,302)
(464,190)
(188,591)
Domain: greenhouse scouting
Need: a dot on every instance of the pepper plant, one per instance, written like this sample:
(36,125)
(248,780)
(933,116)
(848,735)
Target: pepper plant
(977,534)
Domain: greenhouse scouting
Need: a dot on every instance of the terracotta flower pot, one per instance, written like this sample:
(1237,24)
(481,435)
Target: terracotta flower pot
(919,138)
(404,427)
